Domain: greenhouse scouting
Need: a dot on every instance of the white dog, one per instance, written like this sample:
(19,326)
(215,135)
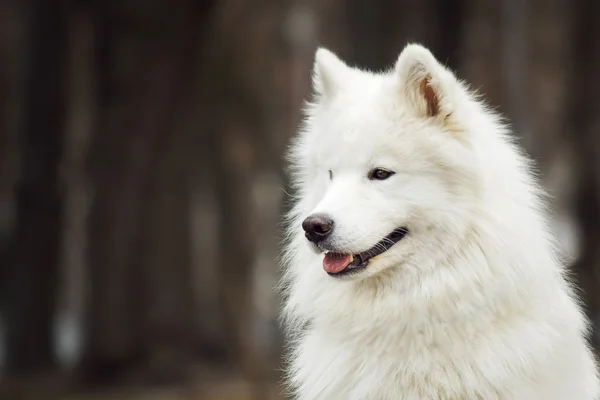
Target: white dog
(419,262)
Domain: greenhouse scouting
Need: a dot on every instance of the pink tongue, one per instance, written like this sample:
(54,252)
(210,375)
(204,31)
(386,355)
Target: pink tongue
(334,263)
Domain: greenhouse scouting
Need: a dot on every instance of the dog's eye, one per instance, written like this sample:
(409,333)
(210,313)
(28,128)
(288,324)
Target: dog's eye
(330,175)
(380,174)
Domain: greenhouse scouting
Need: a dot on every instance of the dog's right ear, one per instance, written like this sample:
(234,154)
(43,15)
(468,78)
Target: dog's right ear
(329,73)
(426,85)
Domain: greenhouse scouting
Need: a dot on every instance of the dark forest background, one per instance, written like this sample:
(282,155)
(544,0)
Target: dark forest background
(141,181)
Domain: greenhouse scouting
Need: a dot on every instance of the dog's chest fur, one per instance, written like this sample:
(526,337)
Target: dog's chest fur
(483,354)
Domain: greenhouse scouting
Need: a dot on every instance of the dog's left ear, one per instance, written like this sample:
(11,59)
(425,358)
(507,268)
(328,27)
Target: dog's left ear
(329,73)
(425,85)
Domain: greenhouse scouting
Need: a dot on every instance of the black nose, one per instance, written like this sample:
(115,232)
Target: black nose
(317,227)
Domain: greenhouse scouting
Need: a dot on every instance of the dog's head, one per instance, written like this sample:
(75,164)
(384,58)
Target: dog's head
(384,163)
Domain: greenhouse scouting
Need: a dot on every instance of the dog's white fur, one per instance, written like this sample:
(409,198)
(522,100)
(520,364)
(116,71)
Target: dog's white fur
(473,303)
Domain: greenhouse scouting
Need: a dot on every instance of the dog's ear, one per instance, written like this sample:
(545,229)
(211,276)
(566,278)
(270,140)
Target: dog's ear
(329,73)
(424,83)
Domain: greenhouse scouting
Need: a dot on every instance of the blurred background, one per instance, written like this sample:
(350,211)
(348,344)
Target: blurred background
(141,180)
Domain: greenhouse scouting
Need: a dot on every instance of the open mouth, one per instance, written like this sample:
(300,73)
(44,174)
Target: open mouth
(338,264)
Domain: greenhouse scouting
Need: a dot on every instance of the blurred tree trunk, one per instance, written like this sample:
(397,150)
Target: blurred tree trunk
(11,61)
(481,62)
(242,64)
(540,104)
(35,248)
(236,169)
(141,311)
(540,101)
(119,155)
(585,128)
(80,119)
(164,255)
(516,40)
(233,141)
(449,22)
(165,238)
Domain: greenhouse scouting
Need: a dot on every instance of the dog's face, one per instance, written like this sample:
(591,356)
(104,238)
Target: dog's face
(381,164)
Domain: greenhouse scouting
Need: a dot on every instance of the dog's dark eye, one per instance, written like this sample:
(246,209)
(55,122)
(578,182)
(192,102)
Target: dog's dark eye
(330,175)
(380,174)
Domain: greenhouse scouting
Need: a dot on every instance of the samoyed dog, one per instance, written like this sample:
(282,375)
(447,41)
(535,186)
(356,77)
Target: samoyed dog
(419,263)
